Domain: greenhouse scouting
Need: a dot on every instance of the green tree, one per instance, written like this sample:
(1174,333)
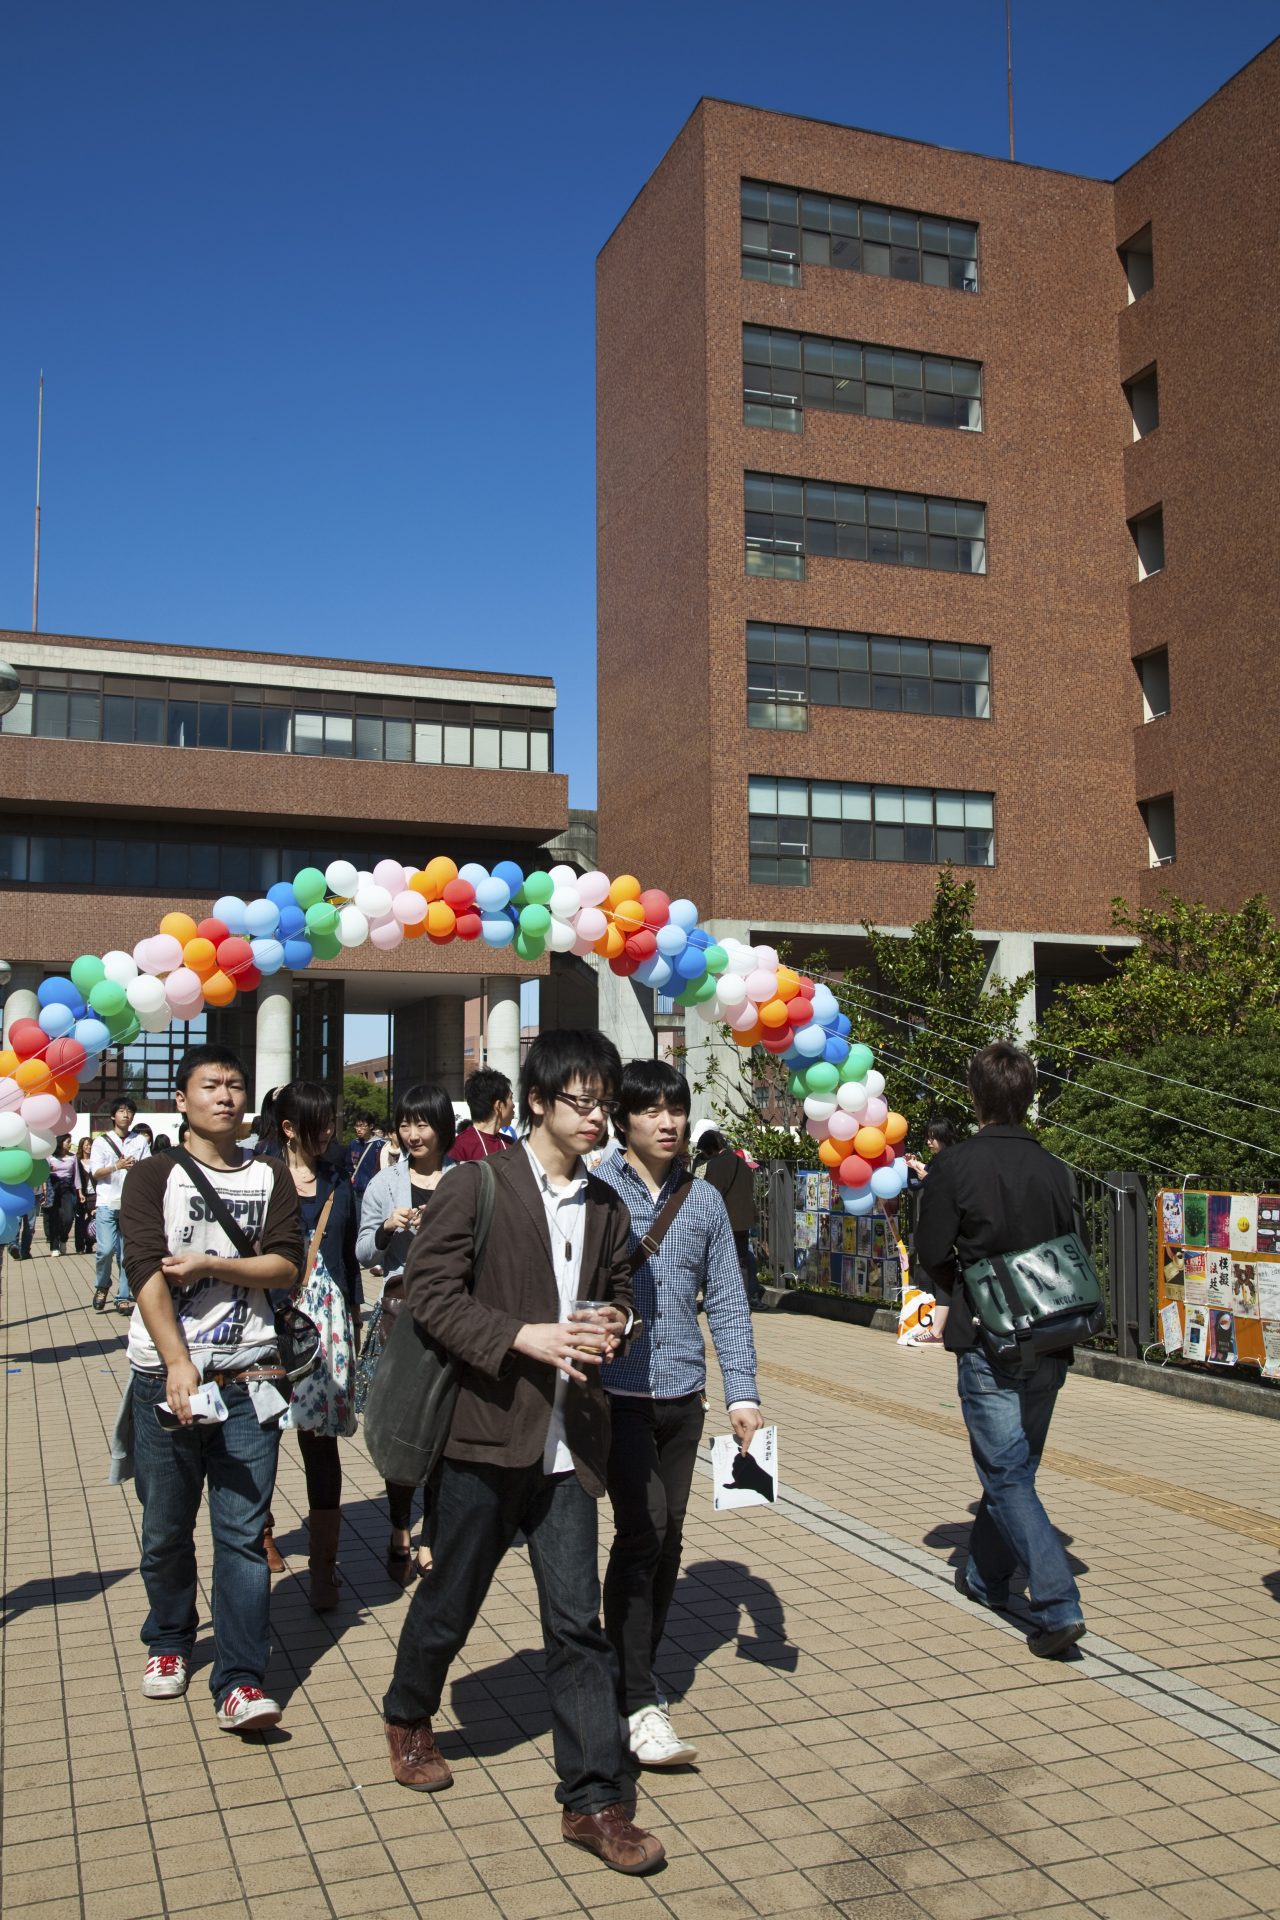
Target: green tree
(361,1096)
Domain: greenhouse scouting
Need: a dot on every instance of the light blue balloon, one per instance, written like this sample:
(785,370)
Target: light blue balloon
(261,918)
(497,931)
(93,1034)
(297,954)
(671,941)
(683,913)
(230,909)
(826,1007)
(654,972)
(268,956)
(492,896)
(55,1019)
(16,1199)
(10,1227)
(862,1200)
(884,1183)
(473,872)
(811,1041)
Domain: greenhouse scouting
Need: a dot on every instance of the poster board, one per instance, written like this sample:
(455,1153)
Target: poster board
(1218,1277)
(855,1255)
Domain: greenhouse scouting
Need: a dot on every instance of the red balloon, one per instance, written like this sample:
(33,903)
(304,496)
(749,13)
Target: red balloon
(643,943)
(775,1039)
(458,894)
(28,1039)
(799,1011)
(213,930)
(806,986)
(624,963)
(65,1056)
(234,955)
(468,926)
(248,978)
(657,907)
(853,1171)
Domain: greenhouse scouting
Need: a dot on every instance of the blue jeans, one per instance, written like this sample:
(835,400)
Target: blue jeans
(109,1241)
(476,1513)
(238,1461)
(1008,1422)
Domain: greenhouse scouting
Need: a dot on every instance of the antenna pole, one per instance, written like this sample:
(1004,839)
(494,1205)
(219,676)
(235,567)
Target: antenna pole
(1008,48)
(35,572)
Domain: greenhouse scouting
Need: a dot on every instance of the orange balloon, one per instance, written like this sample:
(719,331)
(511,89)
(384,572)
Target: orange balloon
(8,1063)
(201,956)
(66,1086)
(418,883)
(829,1152)
(441,918)
(439,873)
(219,988)
(894,1129)
(625,887)
(611,943)
(750,1038)
(33,1076)
(773,1013)
(869,1142)
(788,983)
(180,925)
(414,930)
(629,915)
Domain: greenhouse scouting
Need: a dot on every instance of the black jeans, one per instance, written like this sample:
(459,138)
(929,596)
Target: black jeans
(477,1511)
(651,1462)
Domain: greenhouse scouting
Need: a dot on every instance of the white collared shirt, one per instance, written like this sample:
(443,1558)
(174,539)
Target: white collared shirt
(566,1209)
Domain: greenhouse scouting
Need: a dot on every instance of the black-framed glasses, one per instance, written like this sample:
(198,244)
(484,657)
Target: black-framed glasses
(585,1106)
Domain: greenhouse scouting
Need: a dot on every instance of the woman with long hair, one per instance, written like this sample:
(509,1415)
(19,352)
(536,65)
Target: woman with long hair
(391,1213)
(322,1409)
(86,1197)
(60,1196)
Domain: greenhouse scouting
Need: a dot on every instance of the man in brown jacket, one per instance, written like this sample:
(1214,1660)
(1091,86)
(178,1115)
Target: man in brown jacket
(529,1442)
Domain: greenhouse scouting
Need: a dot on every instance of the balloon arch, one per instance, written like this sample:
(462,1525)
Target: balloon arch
(187,966)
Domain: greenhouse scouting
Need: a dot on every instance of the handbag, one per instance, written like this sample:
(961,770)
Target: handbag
(297,1335)
(1039,1301)
(410,1403)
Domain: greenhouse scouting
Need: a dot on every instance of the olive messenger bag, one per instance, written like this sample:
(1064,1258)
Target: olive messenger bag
(1039,1301)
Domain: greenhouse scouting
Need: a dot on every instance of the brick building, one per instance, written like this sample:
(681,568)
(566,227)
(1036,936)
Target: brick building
(934,523)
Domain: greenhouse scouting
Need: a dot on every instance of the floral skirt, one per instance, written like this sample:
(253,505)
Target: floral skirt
(324,1401)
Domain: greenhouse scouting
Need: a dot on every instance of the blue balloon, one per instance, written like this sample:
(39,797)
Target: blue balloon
(93,1034)
(473,872)
(297,954)
(683,913)
(16,1199)
(261,918)
(492,895)
(836,1050)
(281,894)
(497,931)
(230,910)
(671,941)
(268,956)
(58,991)
(56,1019)
(700,938)
(10,1227)
(508,870)
(654,972)
(811,1041)
(861,1200)
(844,1025)
(292,920)
(885,1183)
(793,1057)
(691,964)
(825,1005)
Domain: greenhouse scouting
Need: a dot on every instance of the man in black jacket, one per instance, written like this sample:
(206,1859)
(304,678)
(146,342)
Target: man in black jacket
(1000,1192)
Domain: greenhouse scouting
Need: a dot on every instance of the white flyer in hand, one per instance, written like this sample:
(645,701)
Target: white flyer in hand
(745,1479)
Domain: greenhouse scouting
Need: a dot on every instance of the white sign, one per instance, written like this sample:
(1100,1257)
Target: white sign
(745,1479)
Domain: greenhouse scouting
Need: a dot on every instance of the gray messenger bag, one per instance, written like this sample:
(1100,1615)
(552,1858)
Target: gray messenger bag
(1037,1302)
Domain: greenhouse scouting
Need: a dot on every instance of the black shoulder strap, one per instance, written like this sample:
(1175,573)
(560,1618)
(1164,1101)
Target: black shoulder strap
(649,1243)
(217,1205)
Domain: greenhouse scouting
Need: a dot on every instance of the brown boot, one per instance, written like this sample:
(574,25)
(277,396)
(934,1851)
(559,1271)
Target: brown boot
(274,1563)
(323,1562)
(612,1837)
(416,1760)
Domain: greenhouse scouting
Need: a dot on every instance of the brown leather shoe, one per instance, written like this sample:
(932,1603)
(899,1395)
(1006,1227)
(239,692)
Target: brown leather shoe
(275,1563)
(612,1837)
(416,1760)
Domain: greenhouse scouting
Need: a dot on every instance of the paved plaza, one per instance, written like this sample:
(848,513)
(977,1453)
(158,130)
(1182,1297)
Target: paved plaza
(869,1743)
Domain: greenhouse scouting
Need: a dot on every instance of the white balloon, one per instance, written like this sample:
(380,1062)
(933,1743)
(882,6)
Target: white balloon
(156,1021)
(13,1132)
(708,1011)
(42,1144)
(353,927)
(816,1108)
(767,958)
(731,990)
(564,902)
(373,901)
(561,937)
(146,995)
(875,1084)
(120,967)
(342,878)
(852,1096)
(563,876)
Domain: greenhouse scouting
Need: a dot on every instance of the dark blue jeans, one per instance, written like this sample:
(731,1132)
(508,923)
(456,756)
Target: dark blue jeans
(1008,1422)
(477,1511)
(238,1462)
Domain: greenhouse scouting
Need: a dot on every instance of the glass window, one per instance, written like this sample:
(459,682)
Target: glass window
(515,748)
(940,251)
(339,735)
(836,822)
(778,541)
(398,739)
(845,376)
(61,860)
(457,746)
(117,717)
(308,733)
(912,676)
(486,744)
(51,715)
(368,737)
(13,856)
(214,722)
(275,730)
(428,748)
(148,722)
(84,717)
(184,717)
(246,729)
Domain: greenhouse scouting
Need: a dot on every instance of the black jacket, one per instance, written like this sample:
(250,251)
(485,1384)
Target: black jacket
(733,1178)
(339,1244)
(997,1192)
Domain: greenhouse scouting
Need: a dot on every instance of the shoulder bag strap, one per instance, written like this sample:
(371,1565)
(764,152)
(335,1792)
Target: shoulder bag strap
(313,1252)
(651,1241)
(218,1207)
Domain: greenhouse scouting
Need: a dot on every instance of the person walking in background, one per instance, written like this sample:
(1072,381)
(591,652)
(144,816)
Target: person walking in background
(86,1196)
(60,1196)
(361,1154)
(657,1402)
(1001,1192)
(491,1105)
(734,1181)
(113,1153)
(390,1214)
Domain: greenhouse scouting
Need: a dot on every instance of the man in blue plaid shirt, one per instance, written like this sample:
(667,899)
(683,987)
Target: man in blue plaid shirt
(657,1391)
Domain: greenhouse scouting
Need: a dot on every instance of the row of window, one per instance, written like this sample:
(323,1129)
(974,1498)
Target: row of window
(793,822)
(783,229)
(212,720)
(783,373)
(790,669)
(787,519)
(181,865)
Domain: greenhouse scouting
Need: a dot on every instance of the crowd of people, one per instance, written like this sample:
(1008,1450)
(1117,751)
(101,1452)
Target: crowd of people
(564,1282)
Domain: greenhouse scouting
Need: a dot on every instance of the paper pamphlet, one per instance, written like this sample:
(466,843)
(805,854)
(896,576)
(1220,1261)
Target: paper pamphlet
(745,1480)
(1171,1328)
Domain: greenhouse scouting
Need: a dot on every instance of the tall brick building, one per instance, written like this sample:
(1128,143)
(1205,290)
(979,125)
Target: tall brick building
(936,502)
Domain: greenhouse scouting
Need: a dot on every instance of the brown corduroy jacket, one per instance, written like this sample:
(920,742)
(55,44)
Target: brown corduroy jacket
(505,1400)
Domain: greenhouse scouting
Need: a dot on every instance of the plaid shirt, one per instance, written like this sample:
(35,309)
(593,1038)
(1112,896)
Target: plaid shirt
(668,1360)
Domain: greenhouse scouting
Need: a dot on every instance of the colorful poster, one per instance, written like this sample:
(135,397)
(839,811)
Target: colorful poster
(1171,1328)
(1220,1220)
(1196,1336)
(1244,1223)
(1222,1339)
(1218,1279)
(1268,1223)
(1174,1272)
(1195,1288)
(1195,1219)
(1244,1289)
(1228,1290)
(1171,1218)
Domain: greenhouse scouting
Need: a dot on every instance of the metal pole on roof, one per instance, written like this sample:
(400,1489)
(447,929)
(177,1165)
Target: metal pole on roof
(35,572)
(1008,48)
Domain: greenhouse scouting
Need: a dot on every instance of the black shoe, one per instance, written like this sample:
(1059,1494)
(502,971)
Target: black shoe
(1052,1642)
(978,1599)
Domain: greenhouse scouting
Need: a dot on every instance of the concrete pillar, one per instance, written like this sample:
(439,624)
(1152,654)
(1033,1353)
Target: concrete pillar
(20,1004)
(625,1013)
(569,996)
(429,1041)
(502,1027)
(1015,954)
(273,1052)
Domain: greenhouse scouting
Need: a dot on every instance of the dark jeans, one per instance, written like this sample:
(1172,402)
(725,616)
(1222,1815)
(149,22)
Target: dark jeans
(651,1462)
(1008,1422)
(477,1512)
(59,1217)
(238,1461)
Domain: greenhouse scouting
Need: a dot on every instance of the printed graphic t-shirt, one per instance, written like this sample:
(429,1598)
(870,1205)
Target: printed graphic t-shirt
(164,1212)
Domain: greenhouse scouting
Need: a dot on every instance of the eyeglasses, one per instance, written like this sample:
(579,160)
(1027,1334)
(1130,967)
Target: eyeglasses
(581,1104)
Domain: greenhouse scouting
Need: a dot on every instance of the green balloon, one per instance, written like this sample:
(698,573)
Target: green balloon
(321,918)
(859,1064)
(534,921)
(701,990)
(821,1077)
(325,946)
(107,997)
(538,888)
(796,1086)
(528,945)
(717,960)
(309,886)
(118,1023)
(86,972)
(16,1166)
(129,1032)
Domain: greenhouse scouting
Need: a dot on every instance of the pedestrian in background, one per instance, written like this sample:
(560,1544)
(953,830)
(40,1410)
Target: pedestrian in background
(491,1104)
(113,1153)
(86,1197)
(60,1196)
(734,1180)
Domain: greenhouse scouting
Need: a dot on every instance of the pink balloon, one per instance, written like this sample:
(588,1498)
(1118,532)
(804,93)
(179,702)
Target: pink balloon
(181,988)
(743,1017)
(761,986)
(876,1112)
(818,1128)
(142,958)
(42,1111)
(582,947)
(592,889)
(391,875)
(11,1095)
(166,953)
(187,1009)
(67,1118)
(590,924)
(842,1126)
(409,908)
(385,936)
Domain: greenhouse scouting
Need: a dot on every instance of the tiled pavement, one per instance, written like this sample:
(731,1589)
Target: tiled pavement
(869,1744)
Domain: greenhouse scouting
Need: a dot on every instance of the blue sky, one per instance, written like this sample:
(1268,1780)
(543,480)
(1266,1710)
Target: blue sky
(312,284)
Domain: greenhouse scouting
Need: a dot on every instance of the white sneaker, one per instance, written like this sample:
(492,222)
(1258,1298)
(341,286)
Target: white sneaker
(654,1742)
(248,1710)
(167,1676)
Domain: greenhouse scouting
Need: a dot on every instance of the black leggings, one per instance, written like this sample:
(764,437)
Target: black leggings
(400,1507)
(323,1468)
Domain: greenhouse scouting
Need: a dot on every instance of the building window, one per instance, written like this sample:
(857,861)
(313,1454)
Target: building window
(790,669)
(1143,395)
(1161,840)
(1147,533)
(1153,674)
(1139,264)
(783,229)
(791,823)
(784,373)
(787,519)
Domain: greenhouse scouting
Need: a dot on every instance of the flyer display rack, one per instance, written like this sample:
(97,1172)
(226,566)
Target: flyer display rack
(1218,1278)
